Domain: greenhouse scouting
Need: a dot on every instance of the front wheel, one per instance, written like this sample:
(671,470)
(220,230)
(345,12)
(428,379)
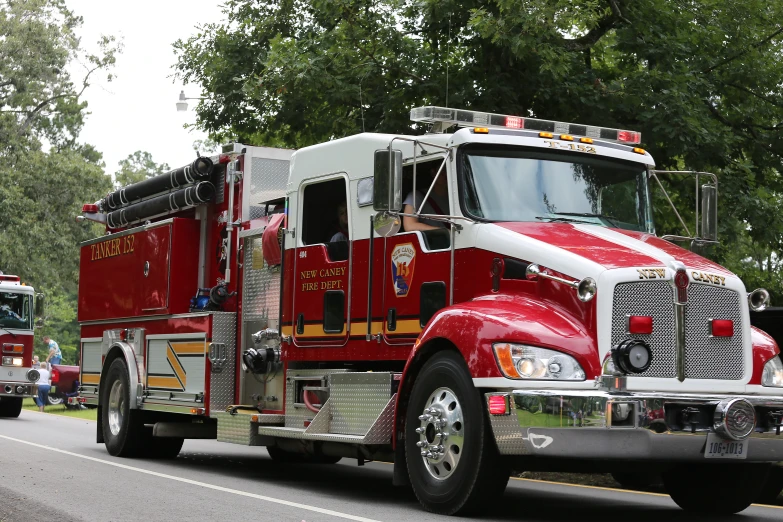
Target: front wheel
(717,489)
(453,464)
(772,488)
(10,407)
(122,426)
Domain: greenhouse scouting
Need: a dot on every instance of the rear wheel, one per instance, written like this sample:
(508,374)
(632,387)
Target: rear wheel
(122,426)
(453,464)
(54,401)
(719,489)
(10,407)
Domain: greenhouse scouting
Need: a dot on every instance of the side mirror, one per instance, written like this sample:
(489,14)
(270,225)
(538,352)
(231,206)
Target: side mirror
(40,309)
(387,185)
(709,212)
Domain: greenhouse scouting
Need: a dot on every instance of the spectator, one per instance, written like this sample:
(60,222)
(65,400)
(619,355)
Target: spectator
(36,362)
(55,355)
(44,385)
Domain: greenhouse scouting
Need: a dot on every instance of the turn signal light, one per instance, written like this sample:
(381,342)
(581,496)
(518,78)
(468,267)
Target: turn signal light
(640,324)
(197,411)
(13,348)
(498,405)
(722,327)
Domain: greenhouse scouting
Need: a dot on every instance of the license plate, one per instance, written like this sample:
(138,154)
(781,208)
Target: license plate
(718,448)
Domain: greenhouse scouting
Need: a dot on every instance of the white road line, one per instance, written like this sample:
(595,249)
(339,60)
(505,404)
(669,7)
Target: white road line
(197,483)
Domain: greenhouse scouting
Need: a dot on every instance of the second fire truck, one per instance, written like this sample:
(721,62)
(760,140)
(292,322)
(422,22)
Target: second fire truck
(274,298)
(17,322)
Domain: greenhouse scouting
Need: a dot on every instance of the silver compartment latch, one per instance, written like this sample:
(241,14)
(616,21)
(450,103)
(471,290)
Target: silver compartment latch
(218,355)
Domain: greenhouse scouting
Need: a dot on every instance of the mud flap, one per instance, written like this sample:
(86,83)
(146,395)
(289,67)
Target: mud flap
(99,426)
(400,475)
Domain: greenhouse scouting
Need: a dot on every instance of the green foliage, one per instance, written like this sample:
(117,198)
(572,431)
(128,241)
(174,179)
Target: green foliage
(702,81)
(137,167)
(45,173)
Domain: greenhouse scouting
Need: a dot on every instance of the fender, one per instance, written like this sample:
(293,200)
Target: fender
(764,349)
(472,327)
(125,350)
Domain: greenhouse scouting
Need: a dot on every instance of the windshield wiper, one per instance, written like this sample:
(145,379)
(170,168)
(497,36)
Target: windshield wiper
(611,220)
(563,219)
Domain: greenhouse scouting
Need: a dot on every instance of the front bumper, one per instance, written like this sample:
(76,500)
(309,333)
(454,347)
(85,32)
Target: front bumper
(17,389)
(624,426)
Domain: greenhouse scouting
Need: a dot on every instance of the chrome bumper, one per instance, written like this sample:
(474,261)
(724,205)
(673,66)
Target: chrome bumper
(11,389)
(626,426)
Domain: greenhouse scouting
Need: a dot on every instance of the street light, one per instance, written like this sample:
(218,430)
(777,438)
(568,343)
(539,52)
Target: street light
(182,105)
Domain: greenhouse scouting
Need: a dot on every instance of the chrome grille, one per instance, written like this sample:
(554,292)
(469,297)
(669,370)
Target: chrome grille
(705,357)
(712,357)
(654,298)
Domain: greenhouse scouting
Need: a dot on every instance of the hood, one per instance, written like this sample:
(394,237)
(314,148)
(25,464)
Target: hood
(581,250)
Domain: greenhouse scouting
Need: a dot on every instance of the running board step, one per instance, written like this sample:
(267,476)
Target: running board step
(379,433)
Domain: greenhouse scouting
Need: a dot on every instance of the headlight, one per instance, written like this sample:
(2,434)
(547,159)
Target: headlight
(773,373)
(519,361)
(17,361)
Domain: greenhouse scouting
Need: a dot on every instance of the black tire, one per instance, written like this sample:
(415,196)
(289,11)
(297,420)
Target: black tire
(10,407)
(290,457)
(128,439)
(772,488)
(636,480)
(718,489)
(478,476)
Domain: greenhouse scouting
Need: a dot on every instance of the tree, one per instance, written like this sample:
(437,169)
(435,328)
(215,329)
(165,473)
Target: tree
(45,173)
(702,81)
(138,167)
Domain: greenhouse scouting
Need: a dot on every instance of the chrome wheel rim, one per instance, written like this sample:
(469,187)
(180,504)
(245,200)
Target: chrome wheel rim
(116,404)
(441,433)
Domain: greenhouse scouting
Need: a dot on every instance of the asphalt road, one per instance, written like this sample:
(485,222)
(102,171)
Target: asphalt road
(51,470)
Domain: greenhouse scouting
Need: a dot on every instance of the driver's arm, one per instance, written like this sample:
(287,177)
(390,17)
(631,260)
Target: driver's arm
(412,223)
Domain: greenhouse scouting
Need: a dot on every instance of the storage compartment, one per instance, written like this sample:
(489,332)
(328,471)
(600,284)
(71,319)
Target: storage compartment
(149,270)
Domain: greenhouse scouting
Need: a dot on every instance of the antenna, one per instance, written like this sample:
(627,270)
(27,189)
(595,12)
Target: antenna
(448,54)
(361,105)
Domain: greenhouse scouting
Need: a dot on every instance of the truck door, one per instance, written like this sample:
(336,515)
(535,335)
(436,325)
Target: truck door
(321,264)
(416,271)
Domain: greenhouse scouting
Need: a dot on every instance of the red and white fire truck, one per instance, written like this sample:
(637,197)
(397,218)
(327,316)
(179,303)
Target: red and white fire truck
(458,303)
(18,378)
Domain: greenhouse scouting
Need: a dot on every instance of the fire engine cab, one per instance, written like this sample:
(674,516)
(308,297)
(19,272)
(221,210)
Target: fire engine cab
(458,303)
(18,378)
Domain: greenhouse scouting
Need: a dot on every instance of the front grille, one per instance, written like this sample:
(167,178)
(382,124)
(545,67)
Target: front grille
(705,357)
(712,357)
(653,298)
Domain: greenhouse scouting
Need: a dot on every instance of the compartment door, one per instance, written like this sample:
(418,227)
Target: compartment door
(155,269)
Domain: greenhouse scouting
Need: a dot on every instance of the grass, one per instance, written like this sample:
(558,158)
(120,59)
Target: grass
(89,414)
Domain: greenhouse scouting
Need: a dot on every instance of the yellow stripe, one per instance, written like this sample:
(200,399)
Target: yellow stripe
(360,327)
(182,348)
(91,378)
(163,382)
(405,326)
(178,369)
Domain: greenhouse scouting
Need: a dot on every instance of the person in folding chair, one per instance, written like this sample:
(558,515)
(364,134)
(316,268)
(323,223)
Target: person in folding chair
(437,203)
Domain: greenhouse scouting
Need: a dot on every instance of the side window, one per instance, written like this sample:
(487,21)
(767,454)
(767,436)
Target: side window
(324,213)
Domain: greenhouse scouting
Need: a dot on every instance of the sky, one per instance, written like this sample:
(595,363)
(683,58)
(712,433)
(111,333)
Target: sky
(136,110)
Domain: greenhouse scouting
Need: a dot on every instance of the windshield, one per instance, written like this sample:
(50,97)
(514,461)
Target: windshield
(15,311)
(514,184)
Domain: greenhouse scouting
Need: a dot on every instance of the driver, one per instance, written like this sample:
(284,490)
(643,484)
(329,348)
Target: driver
(6,311)
(437,203)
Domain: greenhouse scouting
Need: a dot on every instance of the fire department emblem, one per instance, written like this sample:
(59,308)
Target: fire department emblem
(403,260)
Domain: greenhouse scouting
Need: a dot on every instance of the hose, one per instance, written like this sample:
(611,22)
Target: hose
(315,408)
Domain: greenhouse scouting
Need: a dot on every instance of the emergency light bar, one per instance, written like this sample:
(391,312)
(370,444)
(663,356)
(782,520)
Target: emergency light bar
(485,119)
